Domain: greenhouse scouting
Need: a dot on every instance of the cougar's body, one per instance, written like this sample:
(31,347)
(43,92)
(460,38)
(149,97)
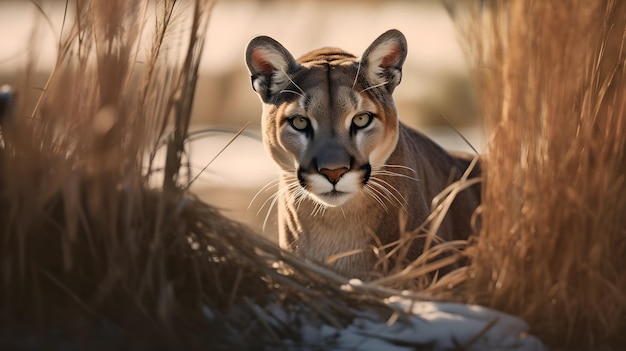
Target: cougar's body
(353,175)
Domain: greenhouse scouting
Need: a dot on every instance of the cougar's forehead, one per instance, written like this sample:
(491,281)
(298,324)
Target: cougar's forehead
(331,91)
(327,102)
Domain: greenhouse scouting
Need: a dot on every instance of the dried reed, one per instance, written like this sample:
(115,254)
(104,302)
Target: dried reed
(551,85)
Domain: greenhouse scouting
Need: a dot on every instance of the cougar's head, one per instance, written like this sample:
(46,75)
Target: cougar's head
(328,118)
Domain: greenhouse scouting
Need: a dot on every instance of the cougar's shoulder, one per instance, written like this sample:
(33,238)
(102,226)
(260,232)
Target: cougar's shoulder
(436,169)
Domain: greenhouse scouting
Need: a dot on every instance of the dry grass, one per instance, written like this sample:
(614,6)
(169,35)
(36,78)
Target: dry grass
(440,266)
(553,244)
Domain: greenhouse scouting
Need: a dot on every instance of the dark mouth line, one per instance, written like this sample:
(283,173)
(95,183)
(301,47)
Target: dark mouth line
(334,193)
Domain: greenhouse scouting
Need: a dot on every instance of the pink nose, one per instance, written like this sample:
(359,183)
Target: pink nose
(333,175)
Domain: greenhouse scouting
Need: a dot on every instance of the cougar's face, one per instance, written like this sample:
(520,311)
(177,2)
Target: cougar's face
(330,135)
(328,118)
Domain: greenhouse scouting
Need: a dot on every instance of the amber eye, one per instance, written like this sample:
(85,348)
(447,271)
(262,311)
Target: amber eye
(299,123)
(362,120)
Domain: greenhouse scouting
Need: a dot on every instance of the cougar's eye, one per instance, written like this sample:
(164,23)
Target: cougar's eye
(299,123)
(362,120)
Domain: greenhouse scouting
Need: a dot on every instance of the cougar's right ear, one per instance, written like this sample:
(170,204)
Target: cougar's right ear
(384,58)
(270,65)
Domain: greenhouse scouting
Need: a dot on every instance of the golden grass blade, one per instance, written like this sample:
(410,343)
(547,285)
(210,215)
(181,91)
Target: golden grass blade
(218,154)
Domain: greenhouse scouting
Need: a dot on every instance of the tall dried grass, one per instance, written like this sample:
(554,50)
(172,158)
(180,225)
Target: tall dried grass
(82,235)
(552,89)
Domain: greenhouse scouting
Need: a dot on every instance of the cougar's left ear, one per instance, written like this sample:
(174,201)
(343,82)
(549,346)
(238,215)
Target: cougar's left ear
(383,59)
(270,65)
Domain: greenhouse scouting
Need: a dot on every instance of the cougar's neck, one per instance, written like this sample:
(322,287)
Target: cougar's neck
(319,234)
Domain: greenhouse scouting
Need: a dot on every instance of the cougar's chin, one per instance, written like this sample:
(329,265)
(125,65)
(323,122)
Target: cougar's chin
(333,195)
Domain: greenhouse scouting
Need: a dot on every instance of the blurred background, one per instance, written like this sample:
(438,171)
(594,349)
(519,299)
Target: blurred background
(436,79)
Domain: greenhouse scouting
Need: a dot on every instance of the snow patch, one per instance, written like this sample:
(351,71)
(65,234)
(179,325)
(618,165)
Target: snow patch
(435,325)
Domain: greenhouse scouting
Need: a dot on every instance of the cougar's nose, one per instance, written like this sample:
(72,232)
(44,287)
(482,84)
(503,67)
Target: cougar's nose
(333,175)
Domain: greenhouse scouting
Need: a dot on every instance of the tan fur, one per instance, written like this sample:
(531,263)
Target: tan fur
(383,169)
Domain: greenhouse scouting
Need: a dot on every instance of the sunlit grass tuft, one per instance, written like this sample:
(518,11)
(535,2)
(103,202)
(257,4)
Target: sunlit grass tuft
(551,85)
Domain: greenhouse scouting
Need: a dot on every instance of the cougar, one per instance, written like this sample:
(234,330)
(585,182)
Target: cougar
(353,176)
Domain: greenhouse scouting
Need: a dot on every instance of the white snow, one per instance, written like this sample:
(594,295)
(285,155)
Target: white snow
(433,325)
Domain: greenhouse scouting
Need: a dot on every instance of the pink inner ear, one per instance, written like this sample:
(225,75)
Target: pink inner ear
(260,63)
(391,59)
